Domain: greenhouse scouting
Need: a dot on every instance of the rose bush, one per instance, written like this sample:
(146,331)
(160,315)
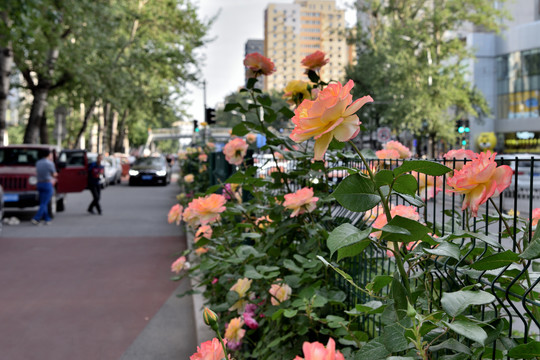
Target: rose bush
(275,268)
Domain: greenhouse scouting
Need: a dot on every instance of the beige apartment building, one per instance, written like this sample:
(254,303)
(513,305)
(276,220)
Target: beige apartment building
(293,31)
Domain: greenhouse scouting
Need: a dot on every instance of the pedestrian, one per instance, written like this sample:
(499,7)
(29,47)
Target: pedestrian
(46,176)
(95,171)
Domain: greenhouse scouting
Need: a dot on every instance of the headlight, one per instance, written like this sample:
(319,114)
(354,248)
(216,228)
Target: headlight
(32,180)
(133,173)
(161,172)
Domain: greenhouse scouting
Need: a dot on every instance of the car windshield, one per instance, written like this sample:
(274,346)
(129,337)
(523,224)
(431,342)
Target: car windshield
(149,161)
(17,156)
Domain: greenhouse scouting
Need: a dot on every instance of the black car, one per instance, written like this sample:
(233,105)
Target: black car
(150,170)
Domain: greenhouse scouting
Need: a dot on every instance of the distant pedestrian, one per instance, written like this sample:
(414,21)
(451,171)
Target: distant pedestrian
(95,171)
(46,176)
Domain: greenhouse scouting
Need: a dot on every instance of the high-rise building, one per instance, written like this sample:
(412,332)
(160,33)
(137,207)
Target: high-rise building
(507,71)
(254,46)
(293,31)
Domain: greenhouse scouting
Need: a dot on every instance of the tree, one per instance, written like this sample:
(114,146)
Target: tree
(411,60)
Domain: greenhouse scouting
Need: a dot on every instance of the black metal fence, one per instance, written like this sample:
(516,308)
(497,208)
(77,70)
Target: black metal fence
(515,286)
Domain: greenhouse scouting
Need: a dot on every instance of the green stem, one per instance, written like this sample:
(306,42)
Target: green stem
(222,344)
(399,260)
(505,223)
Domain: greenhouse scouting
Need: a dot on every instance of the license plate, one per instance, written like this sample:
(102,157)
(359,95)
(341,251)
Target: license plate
(11,197)
(536,174)
(147,177)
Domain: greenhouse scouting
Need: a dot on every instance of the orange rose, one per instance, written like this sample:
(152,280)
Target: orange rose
(301,201)
(251,138)
(460,155)
(235,150)
(280,293)
(258,65)
(479,180)
(206,232)
(210,350)
(175,214)
(204,210)
(387,154)
(315,61)
(331,115)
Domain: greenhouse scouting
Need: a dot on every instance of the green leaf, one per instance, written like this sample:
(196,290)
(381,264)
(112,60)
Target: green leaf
(452,344)
(289,313)
(406,184)
(394,338)
(532,251)
(251,273)
(345,235)
(251,83)
(231,107)
(312,75)
(445,249)
(353,250)
(468,329)
(289,264)
(357,193)
(341,272)
(399,294)
(496,261)
(395,230)
(240,129)
(380,281)
(212,189)
(423,167)
(530,350)
(417,231)
(236,178)
(264,100)
(232,297)
(287,112)
(373,350)
(455,303)
(414,200)
(384,177)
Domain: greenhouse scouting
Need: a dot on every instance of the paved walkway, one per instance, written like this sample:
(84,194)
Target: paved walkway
(92,287)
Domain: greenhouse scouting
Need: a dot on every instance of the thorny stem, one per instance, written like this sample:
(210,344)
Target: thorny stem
(505,223)
(399,260)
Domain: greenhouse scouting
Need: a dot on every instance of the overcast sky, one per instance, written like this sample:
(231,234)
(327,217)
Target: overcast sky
(238,21)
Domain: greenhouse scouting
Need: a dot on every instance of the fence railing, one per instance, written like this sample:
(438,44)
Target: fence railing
(515,286)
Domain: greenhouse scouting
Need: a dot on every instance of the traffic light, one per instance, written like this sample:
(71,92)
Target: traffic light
(210,116)
(459,126)
(195,126)
(466,126)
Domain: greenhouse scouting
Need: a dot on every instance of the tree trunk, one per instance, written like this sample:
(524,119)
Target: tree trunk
(84,125)
(6,63)
(119,143)
(113,131)
(43,130)
(31,134)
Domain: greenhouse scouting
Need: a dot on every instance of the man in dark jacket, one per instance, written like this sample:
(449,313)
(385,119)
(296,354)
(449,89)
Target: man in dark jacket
(95,170)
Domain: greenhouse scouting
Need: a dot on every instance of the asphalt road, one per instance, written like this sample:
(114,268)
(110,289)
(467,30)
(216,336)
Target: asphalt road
(92,287)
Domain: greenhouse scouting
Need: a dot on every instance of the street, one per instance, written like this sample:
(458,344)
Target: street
(93,287)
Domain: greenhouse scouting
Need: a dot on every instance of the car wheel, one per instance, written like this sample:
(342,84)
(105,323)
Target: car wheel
(52,206)
(60,205)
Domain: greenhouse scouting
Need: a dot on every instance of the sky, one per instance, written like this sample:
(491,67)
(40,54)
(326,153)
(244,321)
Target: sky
(223,69)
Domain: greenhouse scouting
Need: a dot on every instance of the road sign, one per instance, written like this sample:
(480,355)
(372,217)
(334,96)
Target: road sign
(384,134)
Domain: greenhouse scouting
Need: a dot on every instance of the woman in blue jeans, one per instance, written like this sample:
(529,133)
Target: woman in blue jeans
(46,175)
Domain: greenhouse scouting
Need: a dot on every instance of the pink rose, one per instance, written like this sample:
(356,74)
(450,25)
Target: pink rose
(331,115)
(317,351)
(403,151)
(535,216)
(301,201)
(315,60)
(180,264)
(280,293)
(479,180)
(460,155)
(250,321)
(428,186)
(235,151)
(258,65)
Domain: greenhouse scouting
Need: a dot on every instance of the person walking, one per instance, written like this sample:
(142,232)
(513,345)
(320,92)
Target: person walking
(46,176)
(95,170)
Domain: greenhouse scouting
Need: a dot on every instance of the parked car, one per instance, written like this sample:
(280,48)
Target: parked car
(18,175)
(150,170)
(527,167)
(124,162)
(112,170)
